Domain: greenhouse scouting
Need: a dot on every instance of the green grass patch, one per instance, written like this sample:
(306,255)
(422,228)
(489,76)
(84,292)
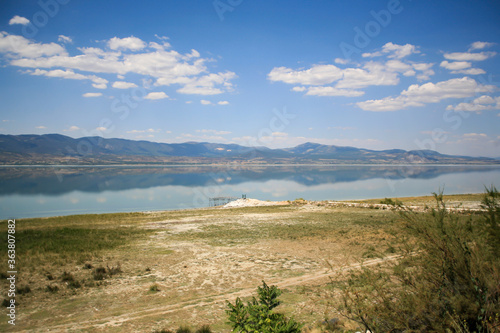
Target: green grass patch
(59,246)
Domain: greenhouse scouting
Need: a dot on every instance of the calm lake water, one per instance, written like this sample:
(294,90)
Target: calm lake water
(51,191)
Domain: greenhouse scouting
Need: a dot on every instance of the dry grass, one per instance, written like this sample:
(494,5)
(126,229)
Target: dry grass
(195,259)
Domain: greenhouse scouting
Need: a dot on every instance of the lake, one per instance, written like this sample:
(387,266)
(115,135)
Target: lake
(51,191)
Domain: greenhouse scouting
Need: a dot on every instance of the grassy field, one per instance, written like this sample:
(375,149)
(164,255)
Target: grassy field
(143,272)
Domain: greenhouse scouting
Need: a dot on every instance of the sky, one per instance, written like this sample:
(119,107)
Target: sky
(406,74)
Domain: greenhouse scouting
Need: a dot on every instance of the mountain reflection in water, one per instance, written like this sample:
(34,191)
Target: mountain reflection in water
(49,191)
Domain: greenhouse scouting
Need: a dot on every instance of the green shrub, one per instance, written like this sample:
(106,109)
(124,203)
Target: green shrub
(447,283)
(74,284)
(154,288)
(390,202)
(99,273)
(67,277)
(183,329)
(258,315)
(23,290)
(52,289)
(204,329)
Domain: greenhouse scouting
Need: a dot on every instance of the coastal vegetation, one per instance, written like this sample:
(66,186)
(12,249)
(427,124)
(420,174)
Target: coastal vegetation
(407,264)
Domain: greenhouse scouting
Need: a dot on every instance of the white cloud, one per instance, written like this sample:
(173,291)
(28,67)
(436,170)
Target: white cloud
(92,95)
(372,74)
(419,95)
(479,104)
(341,61)
(64,39)
(394,51)
(156,95)
(123,85)
(128,43)
(480,45)
(474,135)
(223,103)
(72,129)
(470,71)
(40,127)
(330,80)
(150,130)
(456,65)
(19,20)
(206,85)
(99,85)
(126,55)
(331,91)
(316,75)
(203,138)
(461,67)
(347,79)
(213,132)
(205,102)
(98,82)
(101,129)
(467,56)
(20,47)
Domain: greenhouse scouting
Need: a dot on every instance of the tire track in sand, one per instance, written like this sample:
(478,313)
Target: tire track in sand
(210,299)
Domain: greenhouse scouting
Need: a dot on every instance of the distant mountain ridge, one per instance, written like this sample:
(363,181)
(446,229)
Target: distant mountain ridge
(61,149)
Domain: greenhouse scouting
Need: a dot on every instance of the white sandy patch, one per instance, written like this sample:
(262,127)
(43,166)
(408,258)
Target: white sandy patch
(253,203)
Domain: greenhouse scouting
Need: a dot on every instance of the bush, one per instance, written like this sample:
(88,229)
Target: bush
(52,289)
(258,315)
(448,283)
(99,273)
(67,277)
(390,202)
(154,288)
(183,329)
(204,329)
(74,284)
(23,290)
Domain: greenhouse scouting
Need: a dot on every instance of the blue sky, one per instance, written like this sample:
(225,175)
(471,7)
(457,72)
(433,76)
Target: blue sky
(371,74)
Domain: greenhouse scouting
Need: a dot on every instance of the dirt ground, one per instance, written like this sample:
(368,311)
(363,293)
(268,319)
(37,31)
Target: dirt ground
(190,263)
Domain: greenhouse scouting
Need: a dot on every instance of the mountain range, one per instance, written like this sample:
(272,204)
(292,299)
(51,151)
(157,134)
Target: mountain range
(51,149)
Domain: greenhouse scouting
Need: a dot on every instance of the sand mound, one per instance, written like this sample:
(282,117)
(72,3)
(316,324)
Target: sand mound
(253,203)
